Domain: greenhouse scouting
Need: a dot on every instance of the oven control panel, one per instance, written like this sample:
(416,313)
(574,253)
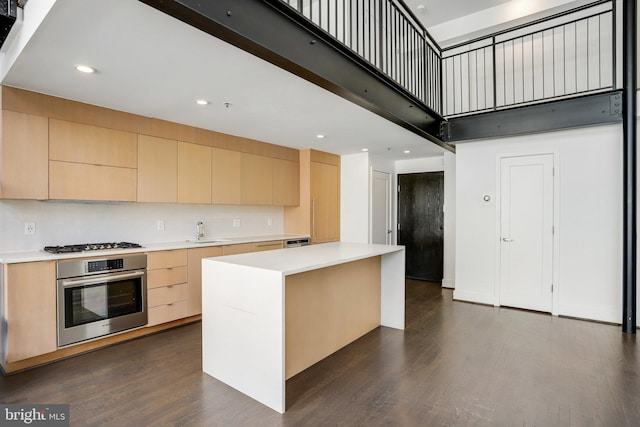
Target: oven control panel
(105,265)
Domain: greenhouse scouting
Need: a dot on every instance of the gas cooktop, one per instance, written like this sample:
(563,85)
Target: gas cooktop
(87,247)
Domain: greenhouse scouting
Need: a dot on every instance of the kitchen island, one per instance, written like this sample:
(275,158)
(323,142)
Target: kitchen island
(268,316)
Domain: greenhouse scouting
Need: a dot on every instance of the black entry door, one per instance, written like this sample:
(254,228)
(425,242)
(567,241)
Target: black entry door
(420,220)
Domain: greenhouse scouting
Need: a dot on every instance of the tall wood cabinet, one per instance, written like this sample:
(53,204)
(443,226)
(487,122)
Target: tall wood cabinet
(319,211)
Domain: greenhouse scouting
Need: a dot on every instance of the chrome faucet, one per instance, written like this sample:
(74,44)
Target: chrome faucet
(199,230)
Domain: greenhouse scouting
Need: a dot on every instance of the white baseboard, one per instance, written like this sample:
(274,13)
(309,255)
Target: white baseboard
(590,313)
(447,283)
(480,298)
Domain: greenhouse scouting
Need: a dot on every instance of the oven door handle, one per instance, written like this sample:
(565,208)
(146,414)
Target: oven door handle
(74,283)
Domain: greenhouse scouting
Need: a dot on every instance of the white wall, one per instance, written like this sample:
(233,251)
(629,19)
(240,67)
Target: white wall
(354,198)
(74,223)
(588,257)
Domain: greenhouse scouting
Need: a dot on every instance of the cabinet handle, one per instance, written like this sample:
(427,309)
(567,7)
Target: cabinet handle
(313,217)
(267,245)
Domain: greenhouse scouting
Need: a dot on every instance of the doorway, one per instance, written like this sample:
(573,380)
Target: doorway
(526,231)
(420,224)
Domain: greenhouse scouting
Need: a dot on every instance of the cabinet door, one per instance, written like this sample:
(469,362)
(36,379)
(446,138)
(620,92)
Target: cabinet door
(24,161)
(78,143)
(194,286)
(30,291)
(79,181)
(257,179)
(226,177)
(194,173)
(286,182)
(325,203)
(157,170)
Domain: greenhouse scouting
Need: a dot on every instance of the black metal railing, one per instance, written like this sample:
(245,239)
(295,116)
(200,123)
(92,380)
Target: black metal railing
(565,55)
(385,34)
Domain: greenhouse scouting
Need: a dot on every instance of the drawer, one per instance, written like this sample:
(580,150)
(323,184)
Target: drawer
(167,313)
(237,249)
(268,246)
(166,295)
(166,259)
(166,276)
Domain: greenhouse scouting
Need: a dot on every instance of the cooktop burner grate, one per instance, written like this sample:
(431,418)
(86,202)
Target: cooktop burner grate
(87,247)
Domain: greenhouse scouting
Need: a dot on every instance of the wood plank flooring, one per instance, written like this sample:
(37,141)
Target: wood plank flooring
(456,364)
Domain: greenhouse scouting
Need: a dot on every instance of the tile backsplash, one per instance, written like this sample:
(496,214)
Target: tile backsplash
(59,223)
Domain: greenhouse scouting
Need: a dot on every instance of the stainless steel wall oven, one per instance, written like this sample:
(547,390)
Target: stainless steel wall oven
(100,296)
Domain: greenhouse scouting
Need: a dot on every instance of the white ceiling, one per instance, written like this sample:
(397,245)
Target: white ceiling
(153,65)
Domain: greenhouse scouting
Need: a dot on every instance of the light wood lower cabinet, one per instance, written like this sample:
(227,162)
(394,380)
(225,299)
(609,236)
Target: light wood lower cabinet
(166,286)
(244,248)
(194,286)
(28,310)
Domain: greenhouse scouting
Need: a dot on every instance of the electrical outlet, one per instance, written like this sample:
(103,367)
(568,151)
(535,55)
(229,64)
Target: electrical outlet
(29,228)
(236,222)
(269,222)
(160,225)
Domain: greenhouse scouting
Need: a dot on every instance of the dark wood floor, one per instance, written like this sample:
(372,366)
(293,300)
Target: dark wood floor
(456,364)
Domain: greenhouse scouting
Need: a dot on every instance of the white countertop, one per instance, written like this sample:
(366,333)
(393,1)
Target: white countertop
(41,255)
(307,258)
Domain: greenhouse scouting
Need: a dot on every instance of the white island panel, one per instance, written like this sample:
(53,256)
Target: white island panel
(243,330)
(243,312)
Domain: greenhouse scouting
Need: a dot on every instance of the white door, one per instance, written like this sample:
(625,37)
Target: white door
(381,208)
(526,232)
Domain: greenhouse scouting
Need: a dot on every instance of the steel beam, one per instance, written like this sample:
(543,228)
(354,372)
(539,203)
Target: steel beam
(276,33)
(629,58)
(556,115)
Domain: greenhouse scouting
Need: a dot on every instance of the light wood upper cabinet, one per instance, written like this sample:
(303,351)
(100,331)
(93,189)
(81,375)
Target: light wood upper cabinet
(157,170)
(91,163)
(24,156)
(194,173)
(319,211)
(194,286)
(286,182)
(78,181)
(30,292)
(78,143)
(257,179)
(226,177)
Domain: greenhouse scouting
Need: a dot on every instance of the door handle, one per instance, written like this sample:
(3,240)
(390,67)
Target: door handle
(506,239)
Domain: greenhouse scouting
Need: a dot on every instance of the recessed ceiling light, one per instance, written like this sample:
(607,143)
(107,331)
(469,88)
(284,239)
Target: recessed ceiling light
(407,151)
(202,101)
(320,136)
(365,149)
(85,69)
